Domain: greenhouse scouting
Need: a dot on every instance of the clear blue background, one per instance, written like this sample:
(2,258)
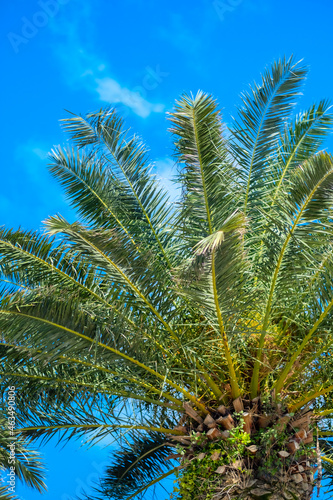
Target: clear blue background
(142,54)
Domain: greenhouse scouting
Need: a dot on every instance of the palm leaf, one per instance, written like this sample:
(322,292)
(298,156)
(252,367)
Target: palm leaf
(255,132)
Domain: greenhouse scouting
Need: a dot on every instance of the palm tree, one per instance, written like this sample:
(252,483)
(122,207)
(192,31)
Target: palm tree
(196,334)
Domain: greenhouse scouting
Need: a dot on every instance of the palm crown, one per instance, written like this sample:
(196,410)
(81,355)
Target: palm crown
(114,324)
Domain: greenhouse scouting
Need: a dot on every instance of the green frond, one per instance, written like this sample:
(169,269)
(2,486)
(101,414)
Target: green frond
(91,188)
(35,261)
(308,204)
(119,325)
(136,464)
(5,495)
(108,255)
(302,139)
(208,177)
(260,121)
(144,200)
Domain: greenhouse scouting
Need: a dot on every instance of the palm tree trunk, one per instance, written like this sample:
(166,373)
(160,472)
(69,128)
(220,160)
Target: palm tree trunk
(245,453)
(240,485)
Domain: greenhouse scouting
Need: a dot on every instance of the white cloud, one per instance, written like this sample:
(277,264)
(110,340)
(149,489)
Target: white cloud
(109,90)
(41,153)
(81,66)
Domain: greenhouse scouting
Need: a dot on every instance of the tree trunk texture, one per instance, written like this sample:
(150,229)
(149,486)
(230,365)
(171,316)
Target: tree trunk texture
(249,451)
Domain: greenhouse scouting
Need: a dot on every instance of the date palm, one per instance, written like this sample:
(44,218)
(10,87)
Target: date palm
(197,334)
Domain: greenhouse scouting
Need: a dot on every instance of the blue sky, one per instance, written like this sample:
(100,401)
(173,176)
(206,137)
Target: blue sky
(141,55)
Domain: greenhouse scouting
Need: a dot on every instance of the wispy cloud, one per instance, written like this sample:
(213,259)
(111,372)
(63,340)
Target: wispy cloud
(109,90)
(82,66)
(40,152)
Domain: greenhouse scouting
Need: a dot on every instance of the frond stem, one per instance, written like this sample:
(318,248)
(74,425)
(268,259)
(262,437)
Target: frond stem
(309,397)
(115,351)
(279,383)
(255,376)
(233,377)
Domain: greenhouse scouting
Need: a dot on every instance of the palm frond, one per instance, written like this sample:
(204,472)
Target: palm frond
(143,199)
(256,131)
(208,177)
(141,460)
(140,319)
